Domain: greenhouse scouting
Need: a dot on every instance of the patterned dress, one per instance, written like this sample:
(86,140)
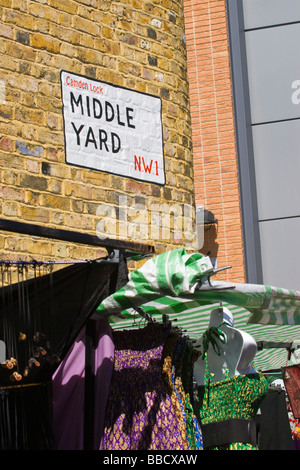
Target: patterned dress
(236,397)
(143,412)
(181,374)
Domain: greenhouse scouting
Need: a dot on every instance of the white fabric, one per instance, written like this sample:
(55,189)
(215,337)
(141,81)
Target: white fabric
(234,356)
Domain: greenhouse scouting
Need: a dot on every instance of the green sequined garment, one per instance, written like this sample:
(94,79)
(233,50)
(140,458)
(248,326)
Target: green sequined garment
(239,396)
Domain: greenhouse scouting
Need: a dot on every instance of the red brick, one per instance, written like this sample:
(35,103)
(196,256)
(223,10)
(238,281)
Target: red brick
(6,144)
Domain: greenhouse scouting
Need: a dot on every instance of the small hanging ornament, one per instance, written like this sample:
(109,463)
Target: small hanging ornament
(40,351)
(33,362)
(22,336)
(15,377)
(9,363)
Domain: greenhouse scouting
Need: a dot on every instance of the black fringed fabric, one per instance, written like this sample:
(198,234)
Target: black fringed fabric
(40,319)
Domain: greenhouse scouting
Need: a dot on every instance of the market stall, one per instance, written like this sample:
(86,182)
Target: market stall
(178,288)
(118,357)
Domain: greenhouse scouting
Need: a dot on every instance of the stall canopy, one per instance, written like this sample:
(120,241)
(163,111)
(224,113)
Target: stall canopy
(181,286)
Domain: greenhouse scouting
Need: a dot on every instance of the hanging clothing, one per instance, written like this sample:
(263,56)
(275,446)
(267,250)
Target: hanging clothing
(143,410)
(228,407)
(294,425)
(181,373)
(194,431)
(69,389)
(79,403)
(274,427)
(291,378)
(40,319)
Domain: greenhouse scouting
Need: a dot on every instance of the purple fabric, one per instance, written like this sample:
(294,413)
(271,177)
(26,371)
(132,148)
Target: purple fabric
(142,411)
(296,443)
(68,389)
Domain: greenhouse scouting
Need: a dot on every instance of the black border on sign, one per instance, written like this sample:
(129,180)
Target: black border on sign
(115,86)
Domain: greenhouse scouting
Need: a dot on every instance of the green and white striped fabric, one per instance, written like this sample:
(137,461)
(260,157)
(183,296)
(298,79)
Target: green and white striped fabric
(176,278)
(179,285)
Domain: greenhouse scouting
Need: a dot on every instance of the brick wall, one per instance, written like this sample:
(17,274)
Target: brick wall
(139,45)
(214,148)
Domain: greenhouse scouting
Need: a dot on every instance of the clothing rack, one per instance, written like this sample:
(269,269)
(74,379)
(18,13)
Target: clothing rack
(166,322)
(290,346)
